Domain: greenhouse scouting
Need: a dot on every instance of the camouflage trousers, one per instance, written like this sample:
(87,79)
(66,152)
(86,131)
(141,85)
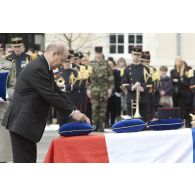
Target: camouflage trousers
(99,99)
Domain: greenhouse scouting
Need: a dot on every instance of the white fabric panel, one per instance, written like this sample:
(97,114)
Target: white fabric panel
(173,146)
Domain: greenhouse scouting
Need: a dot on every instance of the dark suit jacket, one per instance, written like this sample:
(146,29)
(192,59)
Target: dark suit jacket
(35,90)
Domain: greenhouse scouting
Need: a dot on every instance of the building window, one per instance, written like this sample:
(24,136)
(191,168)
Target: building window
(116,43)
(134,39)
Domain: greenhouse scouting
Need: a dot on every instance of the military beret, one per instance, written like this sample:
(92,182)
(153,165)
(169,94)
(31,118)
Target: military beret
(98,49)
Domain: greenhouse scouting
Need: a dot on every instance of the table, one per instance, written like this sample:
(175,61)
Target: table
(173,146)
(90,148)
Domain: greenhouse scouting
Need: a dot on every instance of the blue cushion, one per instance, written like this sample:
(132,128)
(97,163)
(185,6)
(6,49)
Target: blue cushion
(75,129)
(166,124)
(3,84)
(129,125)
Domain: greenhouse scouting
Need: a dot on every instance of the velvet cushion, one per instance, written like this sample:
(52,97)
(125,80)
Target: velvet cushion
(3,84)
(75,129)
(166,124)
(129,125)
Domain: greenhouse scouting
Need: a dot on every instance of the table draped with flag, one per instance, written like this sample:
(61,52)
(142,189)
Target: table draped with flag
(173,146)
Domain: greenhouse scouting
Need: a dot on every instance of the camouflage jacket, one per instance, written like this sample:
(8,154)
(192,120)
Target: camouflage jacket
(102,75)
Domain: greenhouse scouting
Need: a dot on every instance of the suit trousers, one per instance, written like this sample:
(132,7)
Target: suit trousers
(24,150)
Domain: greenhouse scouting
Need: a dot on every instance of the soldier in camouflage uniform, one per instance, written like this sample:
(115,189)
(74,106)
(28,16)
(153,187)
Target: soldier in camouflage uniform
(100,88)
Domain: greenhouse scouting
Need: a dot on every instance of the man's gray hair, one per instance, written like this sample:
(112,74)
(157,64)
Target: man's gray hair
(59,48)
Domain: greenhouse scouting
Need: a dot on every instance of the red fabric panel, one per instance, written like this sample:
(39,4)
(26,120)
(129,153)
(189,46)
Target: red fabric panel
(78,149)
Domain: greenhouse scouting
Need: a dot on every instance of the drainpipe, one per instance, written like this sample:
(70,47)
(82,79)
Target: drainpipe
(178,36)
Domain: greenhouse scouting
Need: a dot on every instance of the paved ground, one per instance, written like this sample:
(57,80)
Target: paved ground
(42,147)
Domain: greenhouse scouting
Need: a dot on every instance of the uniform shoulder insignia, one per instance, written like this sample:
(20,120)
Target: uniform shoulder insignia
(9,57)
(191,73)
(72,69)
(152,67)
(146,68)
(6,64)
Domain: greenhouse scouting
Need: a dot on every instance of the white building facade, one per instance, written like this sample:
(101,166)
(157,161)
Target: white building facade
(164,47)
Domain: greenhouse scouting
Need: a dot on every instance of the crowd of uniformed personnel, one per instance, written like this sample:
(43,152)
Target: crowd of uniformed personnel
(105,90)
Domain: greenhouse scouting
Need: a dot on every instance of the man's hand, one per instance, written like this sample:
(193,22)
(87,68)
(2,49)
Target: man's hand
(135,86)
(109,92)
(125,85)
(162,93)
(89,93)
(1,100)
(141,89)
(175,80)
(78,116)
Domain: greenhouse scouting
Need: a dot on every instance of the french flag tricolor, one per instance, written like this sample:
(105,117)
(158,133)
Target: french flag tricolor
(173,146)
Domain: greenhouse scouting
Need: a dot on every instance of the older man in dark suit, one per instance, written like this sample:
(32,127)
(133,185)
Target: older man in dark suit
(35,90)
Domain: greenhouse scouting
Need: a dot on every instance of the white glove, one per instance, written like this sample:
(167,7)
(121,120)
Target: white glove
(1,100)
(137,84)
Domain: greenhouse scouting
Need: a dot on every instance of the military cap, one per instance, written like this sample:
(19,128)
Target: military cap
(76,55)
(17,40)
(71,51)
(81,55)
(98,49)
(110,59)
(136,49)
(145,56)
(69,58)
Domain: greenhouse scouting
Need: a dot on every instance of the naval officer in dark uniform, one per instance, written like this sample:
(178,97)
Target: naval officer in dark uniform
(135,78)
(18,57)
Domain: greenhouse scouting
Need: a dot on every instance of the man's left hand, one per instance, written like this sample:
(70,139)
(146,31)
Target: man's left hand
(78,116)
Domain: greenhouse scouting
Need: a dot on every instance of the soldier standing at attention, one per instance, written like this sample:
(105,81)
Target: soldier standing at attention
(135,78)
(152,84)
(67,83)
(100,88)
(18,57)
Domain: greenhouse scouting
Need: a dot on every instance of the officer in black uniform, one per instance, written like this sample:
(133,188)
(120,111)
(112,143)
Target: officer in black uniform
(186,96)
(75,64)
(191,75)
(69,78)
(18,57)
(83,85)
(152,84)
(135,78)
